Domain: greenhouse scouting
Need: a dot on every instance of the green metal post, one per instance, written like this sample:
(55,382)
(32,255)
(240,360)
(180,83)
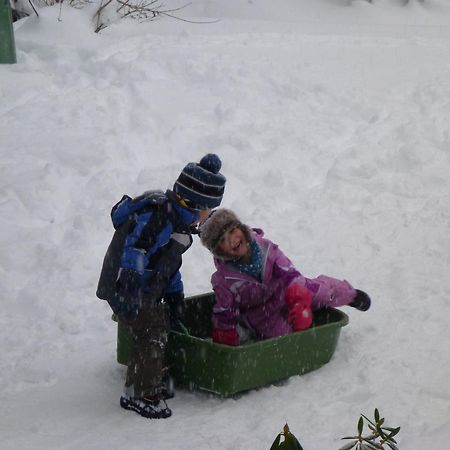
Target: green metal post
(7,44)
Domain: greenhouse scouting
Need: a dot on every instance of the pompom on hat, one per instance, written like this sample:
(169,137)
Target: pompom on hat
(201,185)
(216,225)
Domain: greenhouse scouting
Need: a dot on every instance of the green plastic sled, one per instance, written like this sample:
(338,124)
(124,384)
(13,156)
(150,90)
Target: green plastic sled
(196,361)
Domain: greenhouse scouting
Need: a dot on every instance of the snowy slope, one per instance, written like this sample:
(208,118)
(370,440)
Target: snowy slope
(332,121)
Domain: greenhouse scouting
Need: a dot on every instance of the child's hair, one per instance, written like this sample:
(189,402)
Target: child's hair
(216,225)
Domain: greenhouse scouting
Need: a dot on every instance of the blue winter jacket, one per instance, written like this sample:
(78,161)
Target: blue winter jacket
(143,259)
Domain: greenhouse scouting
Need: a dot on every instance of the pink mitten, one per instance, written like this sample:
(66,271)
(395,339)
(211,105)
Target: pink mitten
(299,300)
(300,317)
(296,293)
(226,337)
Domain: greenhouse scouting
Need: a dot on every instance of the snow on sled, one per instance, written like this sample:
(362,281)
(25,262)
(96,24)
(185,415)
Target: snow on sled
(196,361)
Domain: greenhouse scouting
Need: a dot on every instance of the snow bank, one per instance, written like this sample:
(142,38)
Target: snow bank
(334,133)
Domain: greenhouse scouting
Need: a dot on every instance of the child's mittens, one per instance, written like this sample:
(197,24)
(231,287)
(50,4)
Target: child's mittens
(299,300)
(296,293)
(226,337)
(300,317)
(361,301)
(128,283)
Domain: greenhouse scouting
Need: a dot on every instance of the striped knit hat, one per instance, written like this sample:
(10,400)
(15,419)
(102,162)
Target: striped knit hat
(201,185)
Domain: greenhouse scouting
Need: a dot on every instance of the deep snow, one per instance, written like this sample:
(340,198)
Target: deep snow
(332,120)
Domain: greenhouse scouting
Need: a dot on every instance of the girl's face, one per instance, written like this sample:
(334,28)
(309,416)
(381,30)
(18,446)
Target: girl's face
(234,244)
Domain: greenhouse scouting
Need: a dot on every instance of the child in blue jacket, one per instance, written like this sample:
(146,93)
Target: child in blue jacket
(140,276)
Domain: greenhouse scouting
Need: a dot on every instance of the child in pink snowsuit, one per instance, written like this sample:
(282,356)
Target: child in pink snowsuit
(258,288)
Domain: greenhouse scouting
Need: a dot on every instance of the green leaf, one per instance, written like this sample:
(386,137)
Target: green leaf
(391,428)
(360,425)
(382,434)
(393,431)
(276,443)
(377,415)
(368,420)
(291,442)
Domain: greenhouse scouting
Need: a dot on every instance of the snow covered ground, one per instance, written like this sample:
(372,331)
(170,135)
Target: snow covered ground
(332,119)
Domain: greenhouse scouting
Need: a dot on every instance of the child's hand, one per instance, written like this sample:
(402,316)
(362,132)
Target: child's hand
(128,283)
(296,293)
(300,317)
(299,300)
(226,337)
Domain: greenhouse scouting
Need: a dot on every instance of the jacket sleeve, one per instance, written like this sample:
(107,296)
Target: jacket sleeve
(163,274)
(168,260)
(285,269)
(153,251)
(326,291)
(143,242)
(226,308)
(331,292)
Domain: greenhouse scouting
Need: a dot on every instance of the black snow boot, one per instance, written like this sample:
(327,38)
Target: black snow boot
(361,301)
(151,409)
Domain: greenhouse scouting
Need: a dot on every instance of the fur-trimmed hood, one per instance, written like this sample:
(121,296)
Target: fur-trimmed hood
(216,225)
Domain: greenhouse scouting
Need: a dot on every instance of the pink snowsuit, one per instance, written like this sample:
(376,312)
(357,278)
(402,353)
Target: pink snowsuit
(260,305)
